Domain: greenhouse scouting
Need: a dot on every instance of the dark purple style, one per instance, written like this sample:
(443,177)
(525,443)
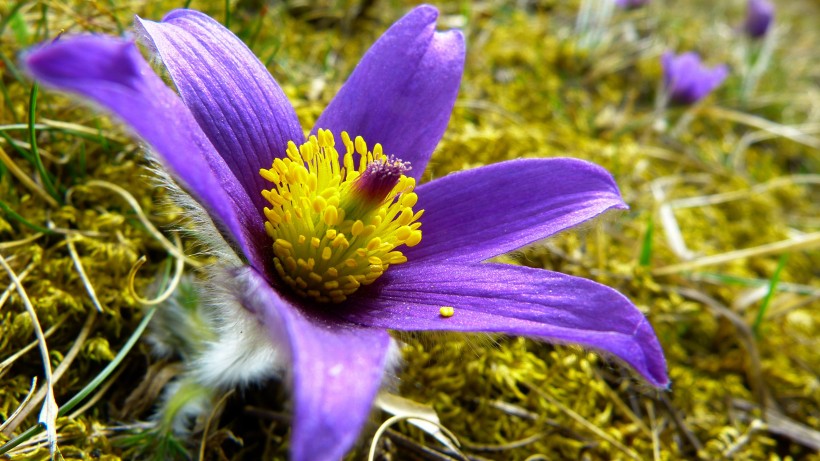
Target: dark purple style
(687,80)
(230,118)
(380,177)
(759,18)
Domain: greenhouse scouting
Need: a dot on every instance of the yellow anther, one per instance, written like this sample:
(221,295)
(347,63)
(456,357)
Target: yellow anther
(409,200)
(273,217)
(368,229)
(331,216)
(361,146)
(340,240)
(403,233)
(357,228)
(319,203)
(326,254)
(406,217)
(414,239)
(332,285)
(270,175)
(374,244)
(290,264)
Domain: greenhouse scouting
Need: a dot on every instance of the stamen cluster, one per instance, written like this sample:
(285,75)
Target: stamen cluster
(335,226)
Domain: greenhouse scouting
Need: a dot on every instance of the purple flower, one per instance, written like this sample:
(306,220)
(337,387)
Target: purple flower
(687,80)
(631,4)
(336,258)
(759,17)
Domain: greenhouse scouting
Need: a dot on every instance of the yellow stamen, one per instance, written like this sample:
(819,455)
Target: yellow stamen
(332,230)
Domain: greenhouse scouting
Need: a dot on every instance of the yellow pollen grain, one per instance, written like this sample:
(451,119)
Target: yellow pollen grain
(327,240)
(446,311)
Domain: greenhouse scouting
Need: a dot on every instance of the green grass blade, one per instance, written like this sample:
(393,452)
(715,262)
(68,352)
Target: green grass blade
(646,247)
(770,294)
(13,215)
(38,161)
(10,14)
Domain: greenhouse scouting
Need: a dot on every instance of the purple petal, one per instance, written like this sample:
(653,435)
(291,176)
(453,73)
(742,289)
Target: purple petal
(514,300)
(112,73)
(336,369)
(759,17)
(239,106)
(476,214)
(402,92)
(687,80)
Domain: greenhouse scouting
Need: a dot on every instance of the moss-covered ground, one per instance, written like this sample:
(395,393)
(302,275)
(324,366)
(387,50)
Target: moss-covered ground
(719,248)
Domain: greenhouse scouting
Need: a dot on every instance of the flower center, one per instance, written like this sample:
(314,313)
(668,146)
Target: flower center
(335,227)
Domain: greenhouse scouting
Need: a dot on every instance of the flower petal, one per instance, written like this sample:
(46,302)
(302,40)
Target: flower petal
(337,368)
(239,106)
(402,92)
(112,73)
(477,214)
(515,300)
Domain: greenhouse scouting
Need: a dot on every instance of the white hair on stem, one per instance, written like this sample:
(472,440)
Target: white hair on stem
(196,222)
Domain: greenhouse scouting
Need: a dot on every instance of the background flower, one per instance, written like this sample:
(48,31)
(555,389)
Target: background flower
(630,4)
(759,18)
(687,80)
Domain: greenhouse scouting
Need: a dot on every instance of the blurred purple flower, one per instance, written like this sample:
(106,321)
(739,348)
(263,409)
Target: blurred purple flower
(231,118)
(687,80)
(759,18)
(631,4)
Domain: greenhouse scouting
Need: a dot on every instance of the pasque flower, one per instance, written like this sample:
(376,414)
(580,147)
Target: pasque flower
(686,80)
(330,240)
(631,4)
(759,17)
